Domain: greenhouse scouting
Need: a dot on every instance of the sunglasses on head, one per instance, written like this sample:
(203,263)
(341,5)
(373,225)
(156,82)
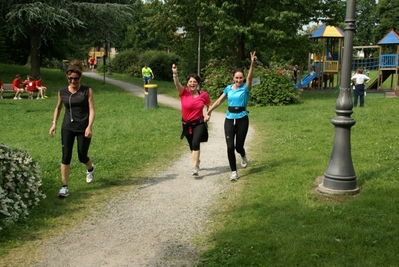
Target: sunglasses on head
(73,78)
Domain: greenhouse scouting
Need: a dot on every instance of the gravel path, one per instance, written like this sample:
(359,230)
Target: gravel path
(154,224)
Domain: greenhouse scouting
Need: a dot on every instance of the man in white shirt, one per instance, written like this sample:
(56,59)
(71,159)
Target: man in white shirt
(359,79)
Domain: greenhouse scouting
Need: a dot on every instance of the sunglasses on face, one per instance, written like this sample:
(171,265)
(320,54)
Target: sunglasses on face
(73,78)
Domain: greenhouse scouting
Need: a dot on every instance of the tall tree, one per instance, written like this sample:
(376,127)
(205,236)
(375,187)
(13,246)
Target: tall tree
(42,20)
(236,27)
(366,21)
(388,14)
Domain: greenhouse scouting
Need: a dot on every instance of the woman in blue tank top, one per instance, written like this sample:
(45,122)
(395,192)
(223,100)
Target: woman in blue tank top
(236,123)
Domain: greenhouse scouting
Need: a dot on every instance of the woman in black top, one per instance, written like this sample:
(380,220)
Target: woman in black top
(77,123)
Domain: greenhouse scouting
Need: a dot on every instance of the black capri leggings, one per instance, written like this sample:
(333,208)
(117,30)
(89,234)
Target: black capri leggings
(195,138)
(235,129)
(68,139)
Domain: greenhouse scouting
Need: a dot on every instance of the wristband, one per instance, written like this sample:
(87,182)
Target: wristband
(54,122)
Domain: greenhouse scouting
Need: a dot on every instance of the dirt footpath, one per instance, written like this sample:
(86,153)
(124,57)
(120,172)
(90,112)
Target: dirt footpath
(152,225)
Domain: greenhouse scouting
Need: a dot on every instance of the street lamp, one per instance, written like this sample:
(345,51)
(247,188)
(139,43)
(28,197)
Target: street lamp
(340,177)
(199,24)
(109,59)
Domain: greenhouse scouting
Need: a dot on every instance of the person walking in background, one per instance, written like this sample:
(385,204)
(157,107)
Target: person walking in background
(147,74)
(193,101)
(1,90)
(295,74)
(236,123)
(17,87)
(359,79)
(77,123)
(91,63)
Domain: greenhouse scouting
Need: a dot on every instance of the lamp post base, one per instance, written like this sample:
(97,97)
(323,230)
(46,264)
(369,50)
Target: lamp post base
(322,189)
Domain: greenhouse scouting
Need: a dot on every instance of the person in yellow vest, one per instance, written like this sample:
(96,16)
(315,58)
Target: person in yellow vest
(147,74)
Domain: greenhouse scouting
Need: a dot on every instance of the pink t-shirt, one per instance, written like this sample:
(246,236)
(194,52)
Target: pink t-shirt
(192,107)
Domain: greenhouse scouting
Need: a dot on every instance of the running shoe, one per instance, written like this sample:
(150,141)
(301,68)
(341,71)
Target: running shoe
(234,176)
(63,192)
(90,175)
(244,161)
(195,171)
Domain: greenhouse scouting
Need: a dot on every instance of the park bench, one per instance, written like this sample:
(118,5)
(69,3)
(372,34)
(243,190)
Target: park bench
(7,88)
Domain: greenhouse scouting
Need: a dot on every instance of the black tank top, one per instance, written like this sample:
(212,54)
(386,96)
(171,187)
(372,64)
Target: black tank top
(76,116)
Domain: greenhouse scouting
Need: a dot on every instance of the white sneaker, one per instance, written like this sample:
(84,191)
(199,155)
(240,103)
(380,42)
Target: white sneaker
(19,97)
(90,175)
(63,192)
(234,176)
(244,162)
(1,97)
(38,97)
(15,98)
(195,171)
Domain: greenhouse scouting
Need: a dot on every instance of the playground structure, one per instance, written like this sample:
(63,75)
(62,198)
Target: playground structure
(388,64)
(324,67)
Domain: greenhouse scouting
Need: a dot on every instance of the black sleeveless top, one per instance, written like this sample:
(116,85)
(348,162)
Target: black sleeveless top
(76,116)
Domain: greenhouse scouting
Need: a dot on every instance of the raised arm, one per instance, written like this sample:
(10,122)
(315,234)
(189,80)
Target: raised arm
(251,70)
(179,87)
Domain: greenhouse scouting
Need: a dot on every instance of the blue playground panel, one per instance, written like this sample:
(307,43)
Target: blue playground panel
(388,60)
(307,79)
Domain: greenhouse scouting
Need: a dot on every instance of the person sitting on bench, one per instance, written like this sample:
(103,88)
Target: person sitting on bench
(16,87)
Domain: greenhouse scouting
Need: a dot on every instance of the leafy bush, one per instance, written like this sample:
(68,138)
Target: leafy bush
(20,184)
(160,62)
(123,60)
(276,87)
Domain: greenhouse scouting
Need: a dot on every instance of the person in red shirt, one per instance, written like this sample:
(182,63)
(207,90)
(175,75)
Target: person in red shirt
(1,90)
(42,89)
(31,87)
(193,100)
(91,63)
(17,87)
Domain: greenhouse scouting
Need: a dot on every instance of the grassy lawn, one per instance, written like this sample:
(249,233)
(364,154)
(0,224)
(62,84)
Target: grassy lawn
(273,217)
(129,144)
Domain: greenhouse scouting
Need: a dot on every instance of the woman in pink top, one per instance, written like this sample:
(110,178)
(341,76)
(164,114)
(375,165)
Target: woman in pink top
(193,101)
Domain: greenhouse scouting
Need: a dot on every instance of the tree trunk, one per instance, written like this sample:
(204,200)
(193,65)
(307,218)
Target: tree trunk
(240,48)
(35,51)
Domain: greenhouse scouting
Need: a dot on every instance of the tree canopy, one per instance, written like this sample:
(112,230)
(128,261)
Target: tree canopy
(43,21)
(230,29)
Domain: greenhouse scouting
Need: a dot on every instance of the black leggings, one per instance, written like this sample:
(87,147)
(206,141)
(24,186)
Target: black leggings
(195,138)
(235,129)
(67,140)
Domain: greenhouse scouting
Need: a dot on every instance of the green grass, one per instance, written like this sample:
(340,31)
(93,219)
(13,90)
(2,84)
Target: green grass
(271,217)
(274,218)
(129,144)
